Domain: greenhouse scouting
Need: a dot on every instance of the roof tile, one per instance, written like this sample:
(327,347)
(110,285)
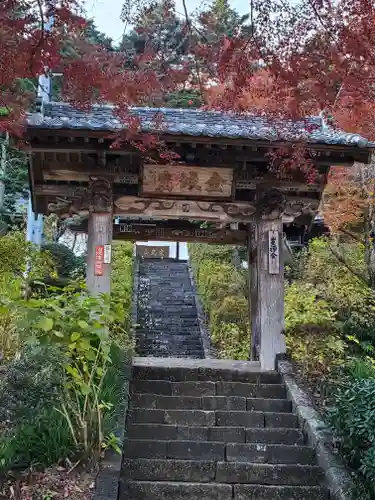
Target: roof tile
(196,123)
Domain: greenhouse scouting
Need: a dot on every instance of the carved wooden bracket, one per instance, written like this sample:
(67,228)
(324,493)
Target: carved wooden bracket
(100,195)
(270,204)
(274,203)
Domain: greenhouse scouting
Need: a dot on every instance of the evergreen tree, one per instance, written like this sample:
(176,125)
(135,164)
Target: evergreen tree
(96,37)
(159,30)
(221,20)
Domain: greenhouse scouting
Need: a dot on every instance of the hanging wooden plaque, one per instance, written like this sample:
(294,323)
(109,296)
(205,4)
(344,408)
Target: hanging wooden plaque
(153,252)
(187,181)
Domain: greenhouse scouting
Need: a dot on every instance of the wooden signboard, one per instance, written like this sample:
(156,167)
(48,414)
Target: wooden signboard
(180,180)
(139,232)
(184,209)
(152,252)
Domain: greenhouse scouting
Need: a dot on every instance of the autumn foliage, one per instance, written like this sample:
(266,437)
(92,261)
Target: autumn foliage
(295,59)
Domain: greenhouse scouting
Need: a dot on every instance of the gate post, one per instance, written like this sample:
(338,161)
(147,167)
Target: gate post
(99,241)
(266,281)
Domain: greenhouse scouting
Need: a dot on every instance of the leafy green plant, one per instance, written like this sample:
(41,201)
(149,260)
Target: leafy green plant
(304,311)
(352,418)
(33,433)
(122,290)
(312,334)
(80,325)
(223,292)
(349,295)
(10,291)
(68,265)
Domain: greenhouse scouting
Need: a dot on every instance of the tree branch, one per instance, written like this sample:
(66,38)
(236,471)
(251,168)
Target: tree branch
(341,259)
(352,235)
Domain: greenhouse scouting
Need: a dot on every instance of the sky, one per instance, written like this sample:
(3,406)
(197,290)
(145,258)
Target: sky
(107,13)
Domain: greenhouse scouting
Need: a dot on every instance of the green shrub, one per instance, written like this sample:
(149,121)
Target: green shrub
(122,285)
(81,326)
(305,312)
(58,397)
(352,418)
(14,250)
(10,292)
(68,265)
(353,300)
(361,368)
(33,432)
(223,292)
(312,335)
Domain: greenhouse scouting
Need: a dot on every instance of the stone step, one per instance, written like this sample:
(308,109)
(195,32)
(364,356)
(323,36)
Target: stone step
(170,349)
(156,343)
(175,417)
(188,403)
(153,332)
(221,418)
(159,354)
(177,450)
(169,316)
(147,490)
(270,454)
(258,492)
(170,305)
(274,436)
(261,492)
(218,451)
(162,354)
(209,388)
(144,469)
(208,370)
(174,323)
(267,474)
(181,433)
(185,342)
(216,433)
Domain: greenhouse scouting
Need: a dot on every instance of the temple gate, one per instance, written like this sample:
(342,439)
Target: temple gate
(222,188)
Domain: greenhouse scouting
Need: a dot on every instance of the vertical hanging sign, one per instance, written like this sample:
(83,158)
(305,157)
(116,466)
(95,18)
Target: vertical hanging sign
(107,254)
(273,252)
(99,260)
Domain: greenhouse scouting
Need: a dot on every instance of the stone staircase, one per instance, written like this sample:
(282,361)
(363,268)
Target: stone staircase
(167,316)
(214,430)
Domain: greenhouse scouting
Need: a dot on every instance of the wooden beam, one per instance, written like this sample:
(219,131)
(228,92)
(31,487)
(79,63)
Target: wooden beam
(62,190)
(184,209)
(242,184)
(68,174)
(139,232)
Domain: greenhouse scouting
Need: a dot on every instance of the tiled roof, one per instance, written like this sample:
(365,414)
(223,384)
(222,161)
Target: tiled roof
(195,123)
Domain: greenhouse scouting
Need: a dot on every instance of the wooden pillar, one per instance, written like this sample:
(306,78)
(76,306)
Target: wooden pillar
(99,242)
(266,279)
